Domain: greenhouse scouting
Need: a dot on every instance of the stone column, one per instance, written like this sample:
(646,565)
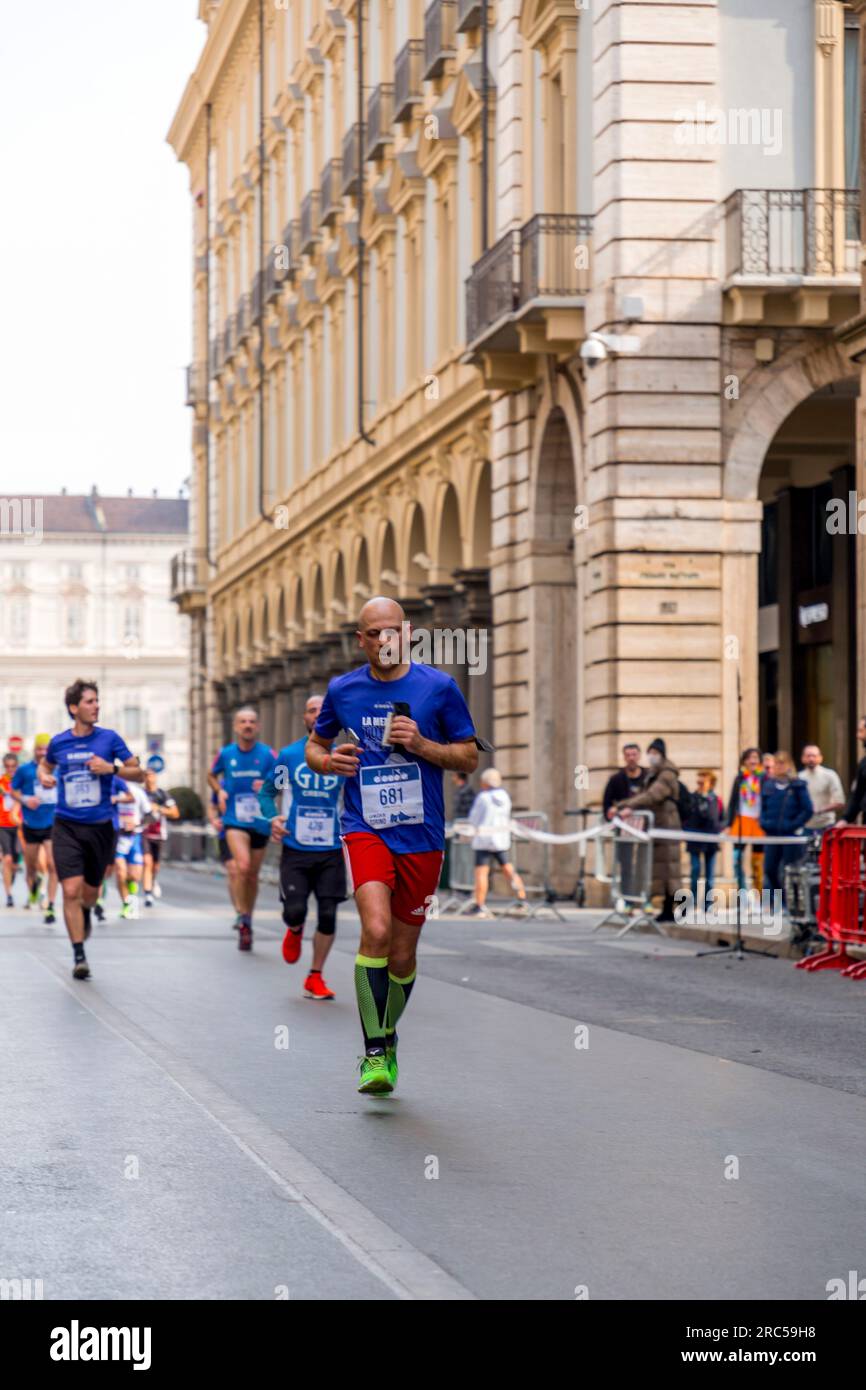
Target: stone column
(476,620)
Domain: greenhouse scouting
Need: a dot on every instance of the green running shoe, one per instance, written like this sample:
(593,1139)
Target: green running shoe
(391,1062)
(375,1076)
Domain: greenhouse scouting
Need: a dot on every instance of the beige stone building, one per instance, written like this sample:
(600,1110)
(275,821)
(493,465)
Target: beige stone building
(395,387)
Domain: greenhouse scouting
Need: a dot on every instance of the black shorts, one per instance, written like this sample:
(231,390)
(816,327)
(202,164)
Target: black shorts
(225,853)
(8,840)
(484,856)
(34,835)
(304,871)
(257,841)
(82,850)
(152,847)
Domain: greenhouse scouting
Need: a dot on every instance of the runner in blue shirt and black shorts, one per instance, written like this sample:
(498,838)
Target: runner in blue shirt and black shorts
(38,804)
(81,763)
(236,778)
(312,855)
(405,723)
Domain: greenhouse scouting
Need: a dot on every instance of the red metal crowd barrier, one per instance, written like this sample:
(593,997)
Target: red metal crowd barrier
(841,902)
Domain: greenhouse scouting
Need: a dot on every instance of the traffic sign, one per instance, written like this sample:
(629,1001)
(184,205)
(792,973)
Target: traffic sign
(156,763)
(16,743)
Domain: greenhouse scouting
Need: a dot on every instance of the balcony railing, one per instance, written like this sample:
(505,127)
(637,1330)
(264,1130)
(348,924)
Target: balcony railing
(792,231)
(291,236)
(491,290)
(469,14)
(196,383)
(275,277)
(548,258)
(230,339)
(408,69)
(554,256)
(309,222)
(439,36)
(351,161)
(380,119)
(187,573)
(331,193)
(215,355)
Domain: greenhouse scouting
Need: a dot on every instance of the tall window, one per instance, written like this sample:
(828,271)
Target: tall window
(132,625)
(19,719)
(131,725)
(18,620)
(74,622)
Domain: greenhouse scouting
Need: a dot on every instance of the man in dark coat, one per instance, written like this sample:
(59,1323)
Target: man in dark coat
(660,795)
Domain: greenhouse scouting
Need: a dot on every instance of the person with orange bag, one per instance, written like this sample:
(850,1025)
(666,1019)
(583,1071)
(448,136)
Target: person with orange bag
(743,820)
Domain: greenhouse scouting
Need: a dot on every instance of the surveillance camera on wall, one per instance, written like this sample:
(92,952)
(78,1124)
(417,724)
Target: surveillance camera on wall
(593,351)
(598,346)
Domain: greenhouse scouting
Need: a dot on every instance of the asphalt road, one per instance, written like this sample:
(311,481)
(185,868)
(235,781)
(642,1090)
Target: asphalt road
(576,1116)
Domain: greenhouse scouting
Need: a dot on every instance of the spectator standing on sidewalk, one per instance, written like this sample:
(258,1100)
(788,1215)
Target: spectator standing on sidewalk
(825,788)
(857,799)
(491,816)
(660,794)
(786,806)
(626,781)
(464,795)
(706,817)
(743,819)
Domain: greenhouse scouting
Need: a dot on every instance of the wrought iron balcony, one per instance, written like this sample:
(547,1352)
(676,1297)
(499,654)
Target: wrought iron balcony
(439,36)
(491,290)
(792,232)
(351,161)
(547,260)
(408,68)
(469,14)
(230,340)
(187,574)
(292,241)
(309,230)
(244,317)
(196,383)
(331,194)
(380,119)
(275,277)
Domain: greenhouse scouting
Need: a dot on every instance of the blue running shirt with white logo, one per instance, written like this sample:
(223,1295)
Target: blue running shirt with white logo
(82,795)
(27,783)
(239,770)
(307,799)
(397,796)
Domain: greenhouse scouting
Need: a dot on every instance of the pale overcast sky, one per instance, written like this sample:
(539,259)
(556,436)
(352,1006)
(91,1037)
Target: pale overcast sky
(95,275)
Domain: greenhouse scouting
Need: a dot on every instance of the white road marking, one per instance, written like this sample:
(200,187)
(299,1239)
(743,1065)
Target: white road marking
(530,947)
(405,1270)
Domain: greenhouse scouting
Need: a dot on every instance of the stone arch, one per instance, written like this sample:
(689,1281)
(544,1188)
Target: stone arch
(360,575)
(480,527)
(338,609)
(387,565)
(448,550)
(417,562)
(763,408)
(316,621)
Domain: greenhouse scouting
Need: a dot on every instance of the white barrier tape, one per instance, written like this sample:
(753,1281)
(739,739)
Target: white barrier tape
(463,830)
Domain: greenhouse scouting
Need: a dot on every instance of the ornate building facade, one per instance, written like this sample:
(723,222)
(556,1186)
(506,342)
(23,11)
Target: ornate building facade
(397,387)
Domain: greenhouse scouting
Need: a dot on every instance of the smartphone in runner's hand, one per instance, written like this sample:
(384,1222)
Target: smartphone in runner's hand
(400,707)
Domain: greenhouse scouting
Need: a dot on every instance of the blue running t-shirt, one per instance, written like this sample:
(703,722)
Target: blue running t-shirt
(83,795)
(27,783)
(239,770)
(307,799)
(397,796)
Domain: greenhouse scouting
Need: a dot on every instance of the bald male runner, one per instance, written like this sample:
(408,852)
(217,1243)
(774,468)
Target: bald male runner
(406,723)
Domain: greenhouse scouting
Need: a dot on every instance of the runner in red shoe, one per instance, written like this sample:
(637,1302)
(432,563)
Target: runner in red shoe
(405,722)
(312,857)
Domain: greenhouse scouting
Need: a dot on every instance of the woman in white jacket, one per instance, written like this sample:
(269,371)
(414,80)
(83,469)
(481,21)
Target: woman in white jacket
(491,816)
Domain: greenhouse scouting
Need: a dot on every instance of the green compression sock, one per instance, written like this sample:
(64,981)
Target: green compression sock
(371,987)
(398,997)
